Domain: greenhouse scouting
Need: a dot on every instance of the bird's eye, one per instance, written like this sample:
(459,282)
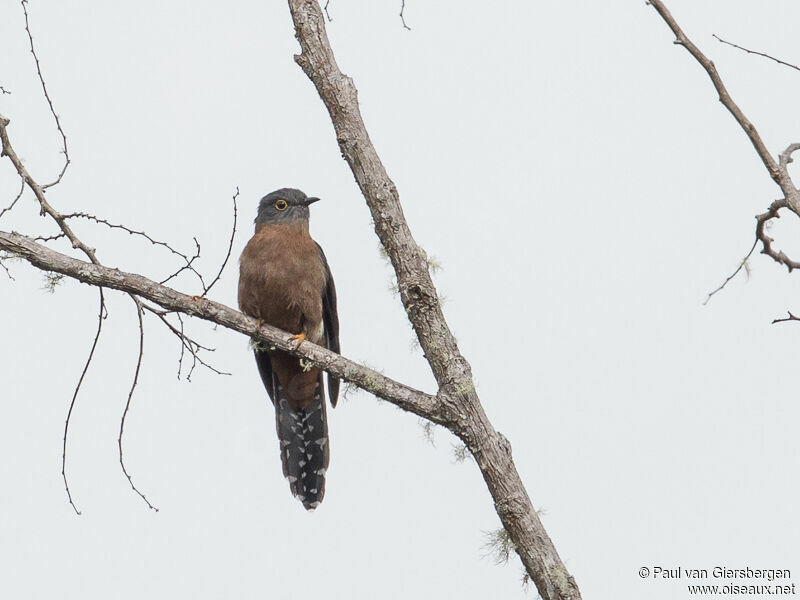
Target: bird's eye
(281,205)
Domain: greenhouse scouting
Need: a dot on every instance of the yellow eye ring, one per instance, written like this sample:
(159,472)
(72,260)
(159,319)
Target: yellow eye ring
(281,205)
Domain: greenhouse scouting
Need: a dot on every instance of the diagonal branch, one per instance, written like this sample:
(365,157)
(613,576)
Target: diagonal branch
(42,257)
(38,191)
(778,171)
(780,176)
(457,399)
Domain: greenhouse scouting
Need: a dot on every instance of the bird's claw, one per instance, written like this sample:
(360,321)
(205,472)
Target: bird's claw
(300,337)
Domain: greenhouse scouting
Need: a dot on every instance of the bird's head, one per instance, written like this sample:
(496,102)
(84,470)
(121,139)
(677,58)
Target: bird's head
(285,205)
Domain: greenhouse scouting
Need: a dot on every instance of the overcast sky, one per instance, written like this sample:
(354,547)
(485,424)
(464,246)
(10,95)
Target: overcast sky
(583,189)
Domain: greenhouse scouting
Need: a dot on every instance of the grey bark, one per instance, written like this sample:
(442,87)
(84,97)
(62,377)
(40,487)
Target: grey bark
(457,401)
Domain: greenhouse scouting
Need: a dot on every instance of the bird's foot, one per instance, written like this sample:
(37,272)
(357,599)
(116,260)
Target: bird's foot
(300,337)
(259,323)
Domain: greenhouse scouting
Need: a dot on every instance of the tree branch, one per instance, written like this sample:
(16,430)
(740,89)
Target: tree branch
(45,258)
(457,400)
(778,171)
(780,176)
(765,55)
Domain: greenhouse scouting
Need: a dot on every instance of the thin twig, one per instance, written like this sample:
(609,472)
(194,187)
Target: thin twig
(19,195)
(4,90)
(777,60)
(325,8)
(189,266)
(187,343)
(101,315)
(5,268)
(735,273)
(188,260)
(139,311)
(402,14)
(49,238)
(47,97)
(230,247)
(791,317)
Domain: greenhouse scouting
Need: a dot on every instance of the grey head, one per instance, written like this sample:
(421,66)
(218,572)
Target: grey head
(285,205)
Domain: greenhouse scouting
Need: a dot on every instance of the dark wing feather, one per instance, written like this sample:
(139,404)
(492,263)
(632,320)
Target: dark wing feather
(330,318)
(265,370)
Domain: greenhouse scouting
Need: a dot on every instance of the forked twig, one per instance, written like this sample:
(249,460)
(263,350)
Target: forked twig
(189,260)
(791,317)
(187,344)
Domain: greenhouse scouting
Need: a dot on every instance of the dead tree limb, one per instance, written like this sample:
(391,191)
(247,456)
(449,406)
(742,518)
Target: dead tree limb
(457,400)
(778,170)
(47,259)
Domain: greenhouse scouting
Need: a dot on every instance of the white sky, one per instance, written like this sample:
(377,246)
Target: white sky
(583,189)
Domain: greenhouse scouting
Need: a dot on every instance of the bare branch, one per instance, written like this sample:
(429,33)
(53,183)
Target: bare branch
(777,60)
(101,315)
(791,317)
(3,90)
(457,399)
(64,150)
(187,259)
(187,343)
(742,265)
(42,257)
(786,156)
(139,311)
(5,268)
(780,176)
(761,235)
(327,14)
(19,195)
(402,14)
(38,191)
(49,238)
(230,246)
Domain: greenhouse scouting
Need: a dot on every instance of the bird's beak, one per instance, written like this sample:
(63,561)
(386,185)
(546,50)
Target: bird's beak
(308,201)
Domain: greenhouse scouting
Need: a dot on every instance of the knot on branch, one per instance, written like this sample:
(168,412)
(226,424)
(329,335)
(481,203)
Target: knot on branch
(512,507)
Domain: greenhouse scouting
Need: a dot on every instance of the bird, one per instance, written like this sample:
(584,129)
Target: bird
(285,281)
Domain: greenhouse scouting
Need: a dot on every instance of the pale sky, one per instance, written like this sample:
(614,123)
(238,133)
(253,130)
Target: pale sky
(583,189)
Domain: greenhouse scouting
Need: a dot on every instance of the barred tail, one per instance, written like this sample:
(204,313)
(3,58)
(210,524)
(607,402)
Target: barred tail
(303,435)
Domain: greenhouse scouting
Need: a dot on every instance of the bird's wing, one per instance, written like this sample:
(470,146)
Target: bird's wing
(330,319)
(265,370)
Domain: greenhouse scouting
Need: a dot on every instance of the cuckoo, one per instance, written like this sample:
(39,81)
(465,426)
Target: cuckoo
(285,281)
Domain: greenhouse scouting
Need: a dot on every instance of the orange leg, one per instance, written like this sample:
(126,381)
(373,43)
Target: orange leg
(300,337)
